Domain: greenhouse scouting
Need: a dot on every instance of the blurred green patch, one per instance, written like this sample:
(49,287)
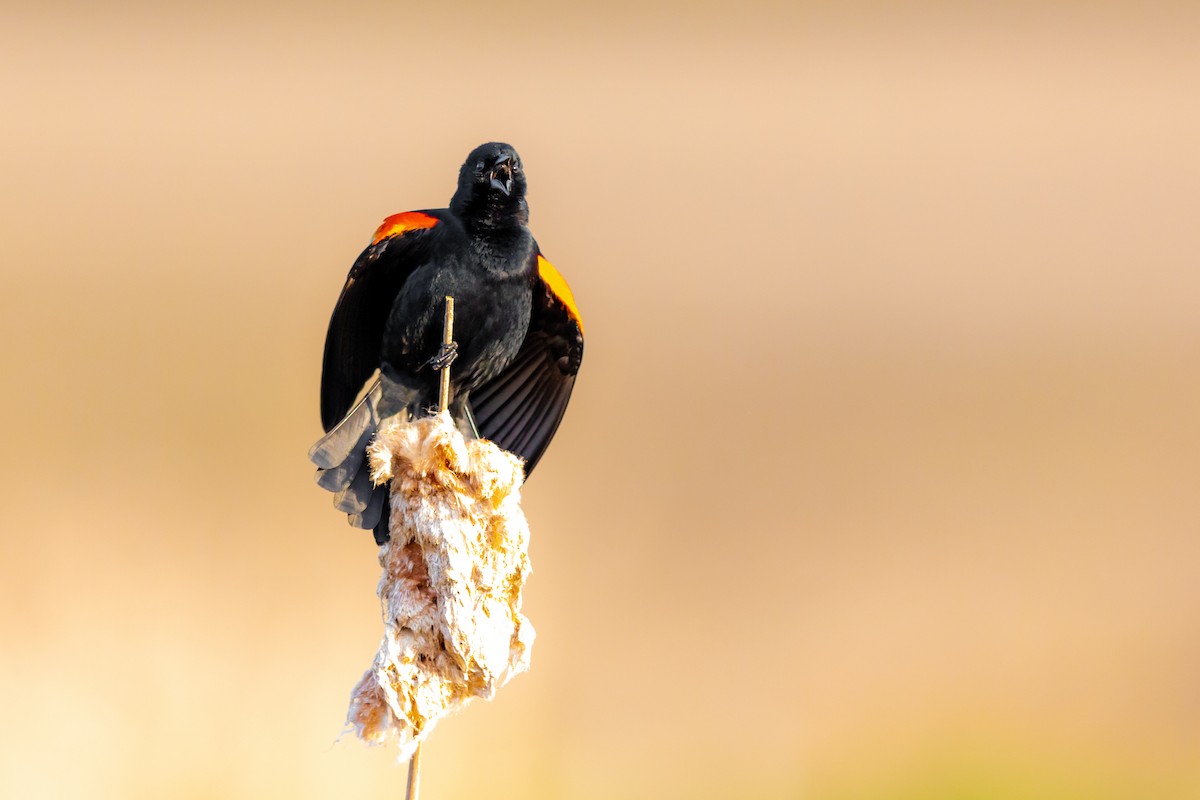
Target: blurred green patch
(998,775)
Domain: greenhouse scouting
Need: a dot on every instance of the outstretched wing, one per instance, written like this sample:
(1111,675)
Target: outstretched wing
(521,407)
(356,328)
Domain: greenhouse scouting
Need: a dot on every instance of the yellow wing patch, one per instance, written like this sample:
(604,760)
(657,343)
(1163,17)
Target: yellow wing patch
(559,288)
(397,224)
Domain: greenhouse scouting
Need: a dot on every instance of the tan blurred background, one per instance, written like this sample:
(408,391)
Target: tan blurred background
(880,480)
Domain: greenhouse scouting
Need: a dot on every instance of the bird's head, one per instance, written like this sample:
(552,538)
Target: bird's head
(491,186)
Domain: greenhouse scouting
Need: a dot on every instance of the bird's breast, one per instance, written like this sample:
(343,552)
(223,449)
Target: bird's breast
(492,303)
(490,323)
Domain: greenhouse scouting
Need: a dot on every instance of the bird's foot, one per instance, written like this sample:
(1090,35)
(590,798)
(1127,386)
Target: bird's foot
(445,356)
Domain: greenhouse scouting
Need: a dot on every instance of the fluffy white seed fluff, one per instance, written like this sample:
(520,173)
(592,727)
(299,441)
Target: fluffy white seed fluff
(452,579)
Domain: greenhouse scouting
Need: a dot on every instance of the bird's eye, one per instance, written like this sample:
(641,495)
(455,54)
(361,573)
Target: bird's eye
(516,166)
(479,166)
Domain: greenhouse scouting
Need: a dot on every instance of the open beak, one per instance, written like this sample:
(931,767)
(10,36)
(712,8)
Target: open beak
(502,175)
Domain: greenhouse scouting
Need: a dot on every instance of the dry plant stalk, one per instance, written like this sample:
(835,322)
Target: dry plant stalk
(453,573)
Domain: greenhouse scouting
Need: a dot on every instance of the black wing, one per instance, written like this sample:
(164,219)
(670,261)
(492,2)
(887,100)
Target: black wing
(521,407)
(356,328)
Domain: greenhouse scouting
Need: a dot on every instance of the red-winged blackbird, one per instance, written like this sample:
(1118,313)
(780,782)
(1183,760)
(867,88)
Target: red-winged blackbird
(518,333)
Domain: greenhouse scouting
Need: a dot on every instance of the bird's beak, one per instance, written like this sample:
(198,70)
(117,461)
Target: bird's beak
(502,175)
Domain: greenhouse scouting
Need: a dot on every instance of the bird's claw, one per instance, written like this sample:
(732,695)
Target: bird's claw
(445,356)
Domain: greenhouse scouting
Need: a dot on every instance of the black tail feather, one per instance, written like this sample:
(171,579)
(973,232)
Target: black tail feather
(341,458)
(341,454)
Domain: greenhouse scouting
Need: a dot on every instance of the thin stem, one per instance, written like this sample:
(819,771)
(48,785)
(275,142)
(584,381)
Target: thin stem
(414,774)
(447,339)
(414,763)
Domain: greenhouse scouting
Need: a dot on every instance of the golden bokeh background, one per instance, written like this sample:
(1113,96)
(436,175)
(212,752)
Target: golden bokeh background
(880,479)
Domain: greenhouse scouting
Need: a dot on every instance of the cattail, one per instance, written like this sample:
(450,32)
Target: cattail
(453,571)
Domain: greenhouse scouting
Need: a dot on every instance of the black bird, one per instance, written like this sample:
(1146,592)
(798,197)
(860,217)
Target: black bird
(518,332)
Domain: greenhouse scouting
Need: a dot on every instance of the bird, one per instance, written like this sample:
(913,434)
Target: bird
(518,334)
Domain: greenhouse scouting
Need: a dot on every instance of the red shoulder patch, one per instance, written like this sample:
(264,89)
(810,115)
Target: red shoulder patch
(559,288)
(398,224)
